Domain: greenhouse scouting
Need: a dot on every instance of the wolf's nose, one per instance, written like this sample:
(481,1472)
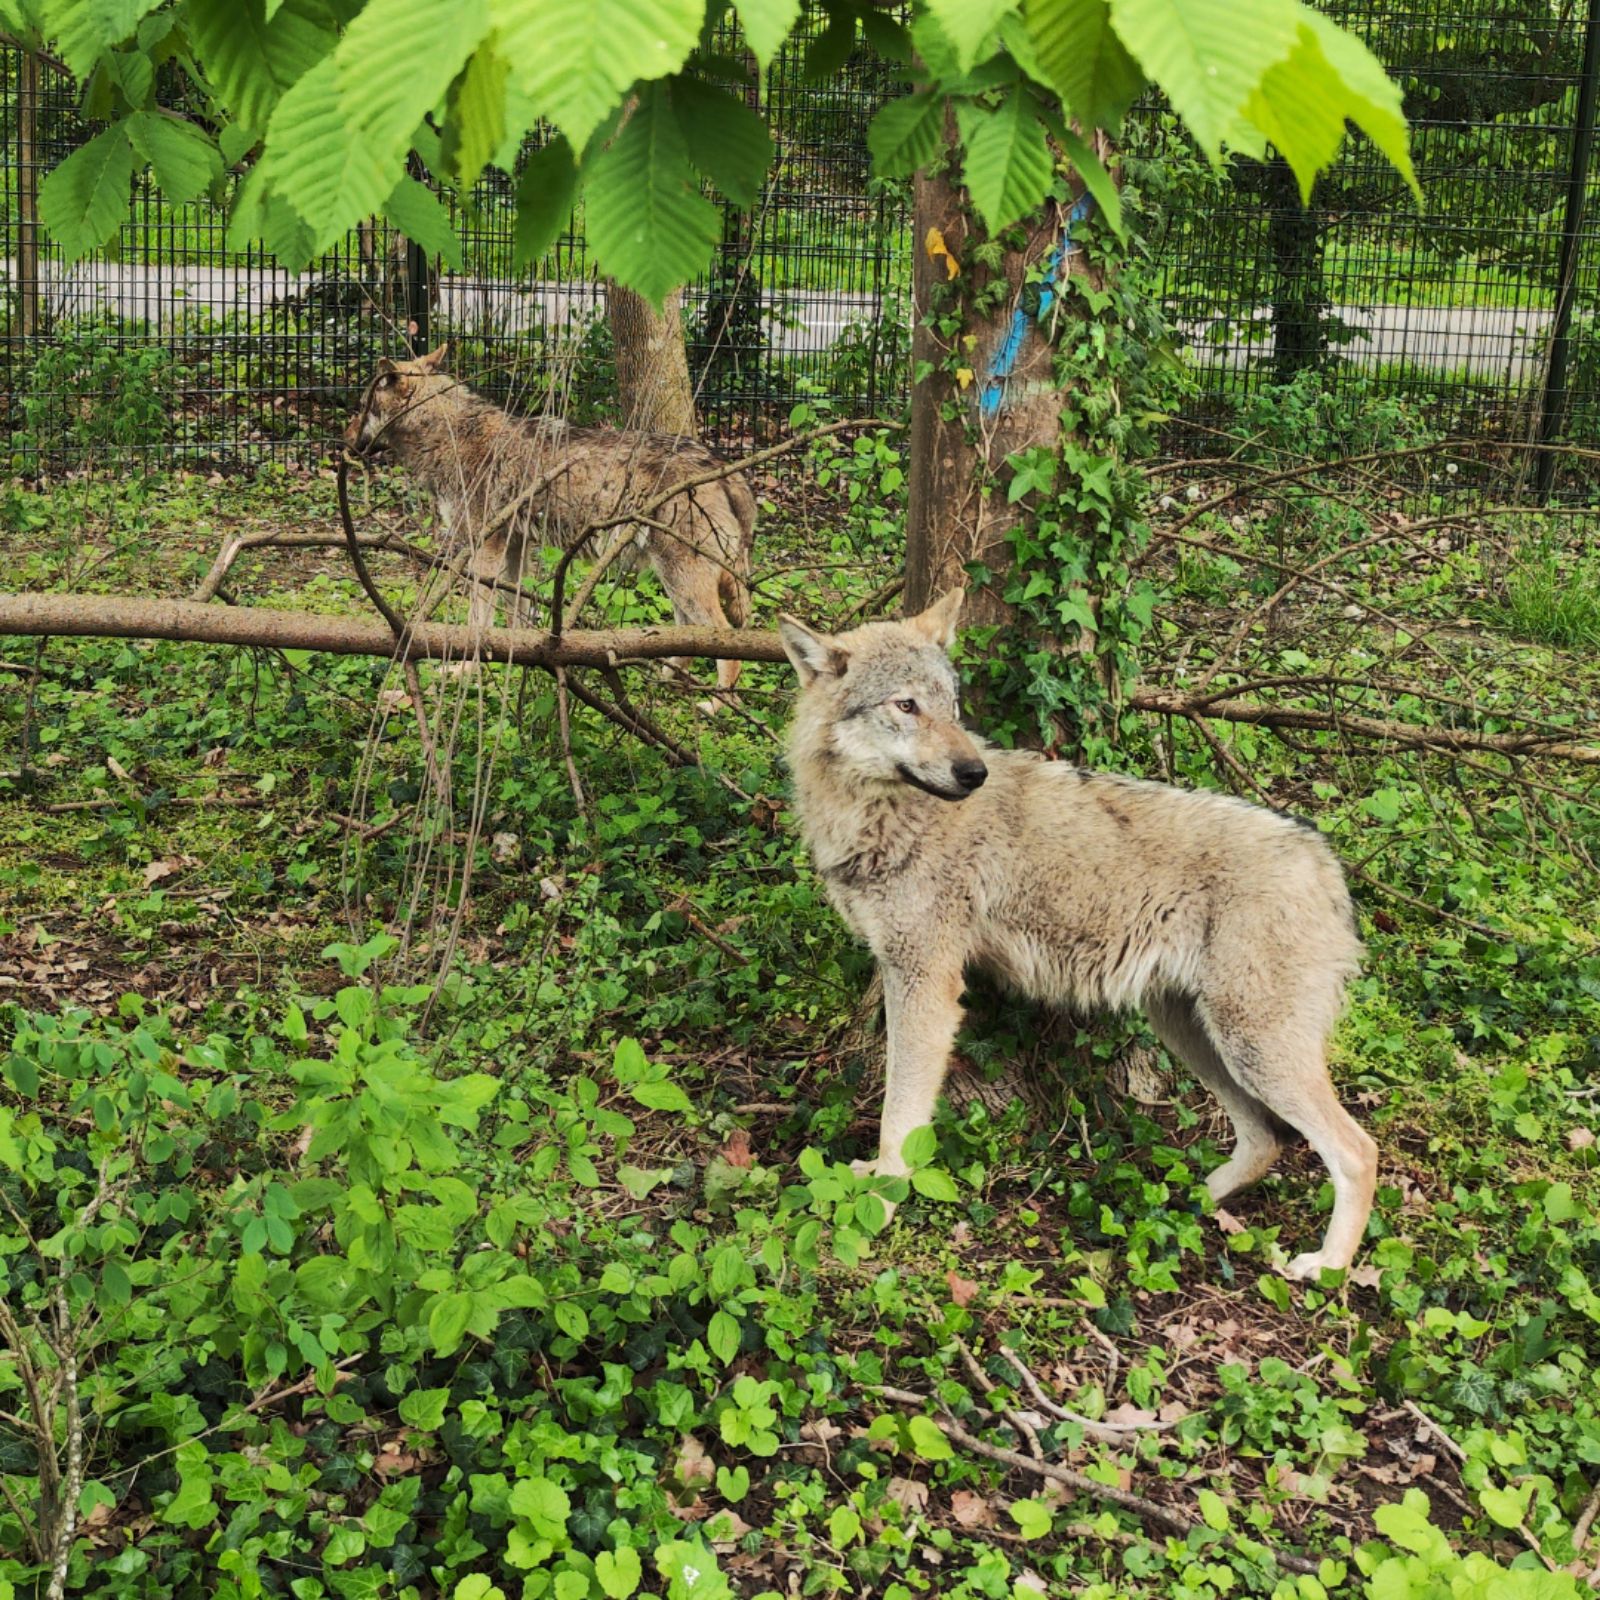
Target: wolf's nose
(969,774)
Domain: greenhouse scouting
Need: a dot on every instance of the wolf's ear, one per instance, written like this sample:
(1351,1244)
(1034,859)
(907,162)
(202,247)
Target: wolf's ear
(434,360)
(385,367)
(813,654)
(938,623)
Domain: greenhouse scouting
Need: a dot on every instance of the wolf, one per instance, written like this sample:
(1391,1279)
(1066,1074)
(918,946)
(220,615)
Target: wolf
(1228,924)
(474,459)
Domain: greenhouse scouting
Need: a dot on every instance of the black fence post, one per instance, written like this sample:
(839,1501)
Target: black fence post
(419,297)
(1553,404)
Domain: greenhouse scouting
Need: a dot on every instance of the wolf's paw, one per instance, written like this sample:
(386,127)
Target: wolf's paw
(1305,1269)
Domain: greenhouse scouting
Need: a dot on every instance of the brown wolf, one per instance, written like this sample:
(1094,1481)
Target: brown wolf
(475,458)
(1228,924)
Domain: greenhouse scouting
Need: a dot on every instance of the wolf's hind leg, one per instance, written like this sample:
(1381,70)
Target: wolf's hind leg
(1256,1143)
(1286,1069)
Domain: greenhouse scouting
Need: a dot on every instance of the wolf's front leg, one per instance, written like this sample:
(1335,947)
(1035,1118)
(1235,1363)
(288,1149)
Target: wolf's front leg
(922,1010)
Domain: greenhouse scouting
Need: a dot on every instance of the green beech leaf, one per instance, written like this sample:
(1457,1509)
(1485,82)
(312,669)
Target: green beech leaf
(1083,60)
(417,212)
(448,1319)
(967,23)
(1208,56)
(649,226)
(727,141)
(396,60)
(83,201)
(577,59)
(934,1184)
(476,128)
(1096,179)
(766,24)
(906,134)
(186,163)
(251,60)
(1008,165)
(318,161)
(1335,74)
(86,29)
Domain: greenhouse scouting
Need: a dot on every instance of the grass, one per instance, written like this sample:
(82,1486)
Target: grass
(1552,595)
(557,1277)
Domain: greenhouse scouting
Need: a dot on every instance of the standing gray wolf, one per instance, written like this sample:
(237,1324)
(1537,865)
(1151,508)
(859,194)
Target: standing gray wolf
(1228,924)
(475,458)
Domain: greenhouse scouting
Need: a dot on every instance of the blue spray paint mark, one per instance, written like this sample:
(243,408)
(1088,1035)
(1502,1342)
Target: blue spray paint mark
(1005,358)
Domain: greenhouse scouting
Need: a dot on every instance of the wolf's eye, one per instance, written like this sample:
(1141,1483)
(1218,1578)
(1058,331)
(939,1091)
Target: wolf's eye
(907,706)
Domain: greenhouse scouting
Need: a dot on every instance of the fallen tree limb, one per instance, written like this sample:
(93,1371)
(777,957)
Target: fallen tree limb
(131,617)
(128,617)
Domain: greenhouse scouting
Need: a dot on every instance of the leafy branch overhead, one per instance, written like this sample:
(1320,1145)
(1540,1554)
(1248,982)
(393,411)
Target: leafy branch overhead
(325,111)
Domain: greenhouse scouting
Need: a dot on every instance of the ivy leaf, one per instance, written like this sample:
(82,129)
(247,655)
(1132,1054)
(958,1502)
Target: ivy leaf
(766,24)
(415,210)
(619,1571)
(727,141)
(1508,1507)
(476,127)
(544,201)
(252,60)
(85,31)
(424,1408)
(545,1504)
(906,134)
(967,23)
(1083,60)
(650,227)
(1033,1517)
(1208,56)
(1008,166)
(928,1441)
(316,159)
(577,59)
(83,200)
(396,60)
(185,162)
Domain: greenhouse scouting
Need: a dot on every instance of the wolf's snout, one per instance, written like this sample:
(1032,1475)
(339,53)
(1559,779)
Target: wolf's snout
(969,775)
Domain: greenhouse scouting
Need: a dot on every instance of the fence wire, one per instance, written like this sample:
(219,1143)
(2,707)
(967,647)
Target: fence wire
(170,347)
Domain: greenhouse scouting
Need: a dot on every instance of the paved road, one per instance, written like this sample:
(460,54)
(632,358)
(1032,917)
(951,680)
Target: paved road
(1485,341)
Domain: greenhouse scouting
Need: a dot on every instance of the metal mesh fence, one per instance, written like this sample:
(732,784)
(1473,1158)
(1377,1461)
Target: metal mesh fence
(172,347)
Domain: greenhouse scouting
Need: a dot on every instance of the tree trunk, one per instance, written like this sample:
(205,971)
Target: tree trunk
(652,364)
(1000,398)
(1300,303)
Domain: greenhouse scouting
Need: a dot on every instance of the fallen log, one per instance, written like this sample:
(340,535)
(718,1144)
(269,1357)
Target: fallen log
(129,617)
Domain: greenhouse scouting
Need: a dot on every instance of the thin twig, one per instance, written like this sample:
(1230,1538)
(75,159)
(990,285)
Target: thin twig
(564,723)
(1460,1455)
(1147,1511)
(1105,1432)
(1024,1429)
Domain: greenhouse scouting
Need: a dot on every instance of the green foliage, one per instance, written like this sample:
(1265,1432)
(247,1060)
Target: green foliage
(341,102)
(89,391)
(545,1292)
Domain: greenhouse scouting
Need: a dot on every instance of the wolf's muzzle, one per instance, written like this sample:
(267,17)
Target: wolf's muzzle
(969,775)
